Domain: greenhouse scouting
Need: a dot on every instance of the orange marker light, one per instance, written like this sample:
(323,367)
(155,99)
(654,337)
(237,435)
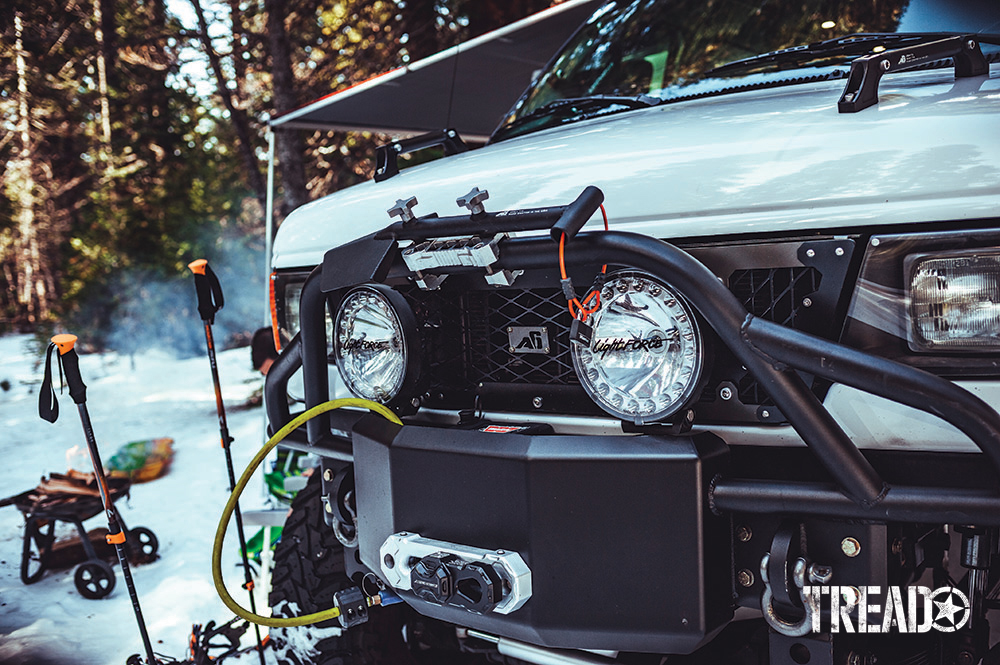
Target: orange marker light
(275,330)
(198,266)
(64,343)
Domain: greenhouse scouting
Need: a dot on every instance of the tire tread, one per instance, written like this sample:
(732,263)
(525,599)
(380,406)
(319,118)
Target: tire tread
(308,570)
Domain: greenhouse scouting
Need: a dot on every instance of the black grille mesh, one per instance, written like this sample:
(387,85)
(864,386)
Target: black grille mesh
(465,334)
(775,294)
(465,337)
(441,320)
(493,312)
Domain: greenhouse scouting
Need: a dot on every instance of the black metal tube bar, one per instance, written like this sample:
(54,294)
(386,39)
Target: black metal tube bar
(491,223)
(316,382)
(838,454)
(488,224)
(331,447)
(901,504)
(767,350)
(767,354)
(276,384)
(577,214)
(907,385)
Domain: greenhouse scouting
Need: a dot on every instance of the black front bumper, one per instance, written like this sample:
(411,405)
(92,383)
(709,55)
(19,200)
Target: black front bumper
(623,550)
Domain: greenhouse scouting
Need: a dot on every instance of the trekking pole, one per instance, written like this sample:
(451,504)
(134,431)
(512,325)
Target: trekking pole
(48,409)
(210,301)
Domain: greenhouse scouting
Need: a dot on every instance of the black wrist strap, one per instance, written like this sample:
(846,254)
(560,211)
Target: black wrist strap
(48,405)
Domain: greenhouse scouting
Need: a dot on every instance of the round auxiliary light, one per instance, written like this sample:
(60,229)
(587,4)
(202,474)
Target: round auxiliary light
(374,343)
(645,357)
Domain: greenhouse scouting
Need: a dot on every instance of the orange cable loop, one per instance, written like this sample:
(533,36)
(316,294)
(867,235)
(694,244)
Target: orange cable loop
(583,310)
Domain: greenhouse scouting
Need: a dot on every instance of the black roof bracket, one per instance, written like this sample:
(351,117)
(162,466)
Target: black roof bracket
(866,72)
(386,156)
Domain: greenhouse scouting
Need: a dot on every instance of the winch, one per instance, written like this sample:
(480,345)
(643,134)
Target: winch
(477,580)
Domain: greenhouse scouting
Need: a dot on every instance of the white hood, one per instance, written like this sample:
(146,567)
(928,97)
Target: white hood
(781,160)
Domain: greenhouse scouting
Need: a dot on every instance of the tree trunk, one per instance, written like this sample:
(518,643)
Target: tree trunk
(238,49)
(158,104)
(32,297)
(102,82)
(289,146)
(239,119)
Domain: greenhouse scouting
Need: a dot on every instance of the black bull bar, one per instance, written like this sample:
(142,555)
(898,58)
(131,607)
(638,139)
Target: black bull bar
(771,352)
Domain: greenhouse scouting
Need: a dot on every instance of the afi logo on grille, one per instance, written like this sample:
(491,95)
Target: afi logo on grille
(528,339)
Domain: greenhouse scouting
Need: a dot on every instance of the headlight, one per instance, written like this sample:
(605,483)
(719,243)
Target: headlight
(286,294)
(954,301)
(293,292)
(645,358)
(374,343)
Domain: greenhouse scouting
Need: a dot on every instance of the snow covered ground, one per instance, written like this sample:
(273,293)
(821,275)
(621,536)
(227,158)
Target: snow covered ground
(129,398)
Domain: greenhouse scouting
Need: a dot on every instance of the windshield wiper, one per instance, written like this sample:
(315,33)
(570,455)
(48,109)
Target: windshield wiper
(857,44)
(570,109)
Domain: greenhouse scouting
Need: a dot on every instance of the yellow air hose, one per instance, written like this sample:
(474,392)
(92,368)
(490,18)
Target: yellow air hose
(227,513)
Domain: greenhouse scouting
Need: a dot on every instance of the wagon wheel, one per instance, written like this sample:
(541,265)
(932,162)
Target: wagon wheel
(94,579)
(142,545)
(36,550)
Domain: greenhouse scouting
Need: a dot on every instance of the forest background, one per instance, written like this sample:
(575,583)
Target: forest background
(134,141)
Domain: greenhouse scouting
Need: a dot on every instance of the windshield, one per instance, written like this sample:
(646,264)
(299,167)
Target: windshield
(636,53)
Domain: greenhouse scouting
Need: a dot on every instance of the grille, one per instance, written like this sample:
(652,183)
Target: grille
(442,322)
(775,294)
(465,337)
(492,312)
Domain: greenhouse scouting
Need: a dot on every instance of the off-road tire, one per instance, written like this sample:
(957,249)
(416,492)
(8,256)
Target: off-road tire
(308,570)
